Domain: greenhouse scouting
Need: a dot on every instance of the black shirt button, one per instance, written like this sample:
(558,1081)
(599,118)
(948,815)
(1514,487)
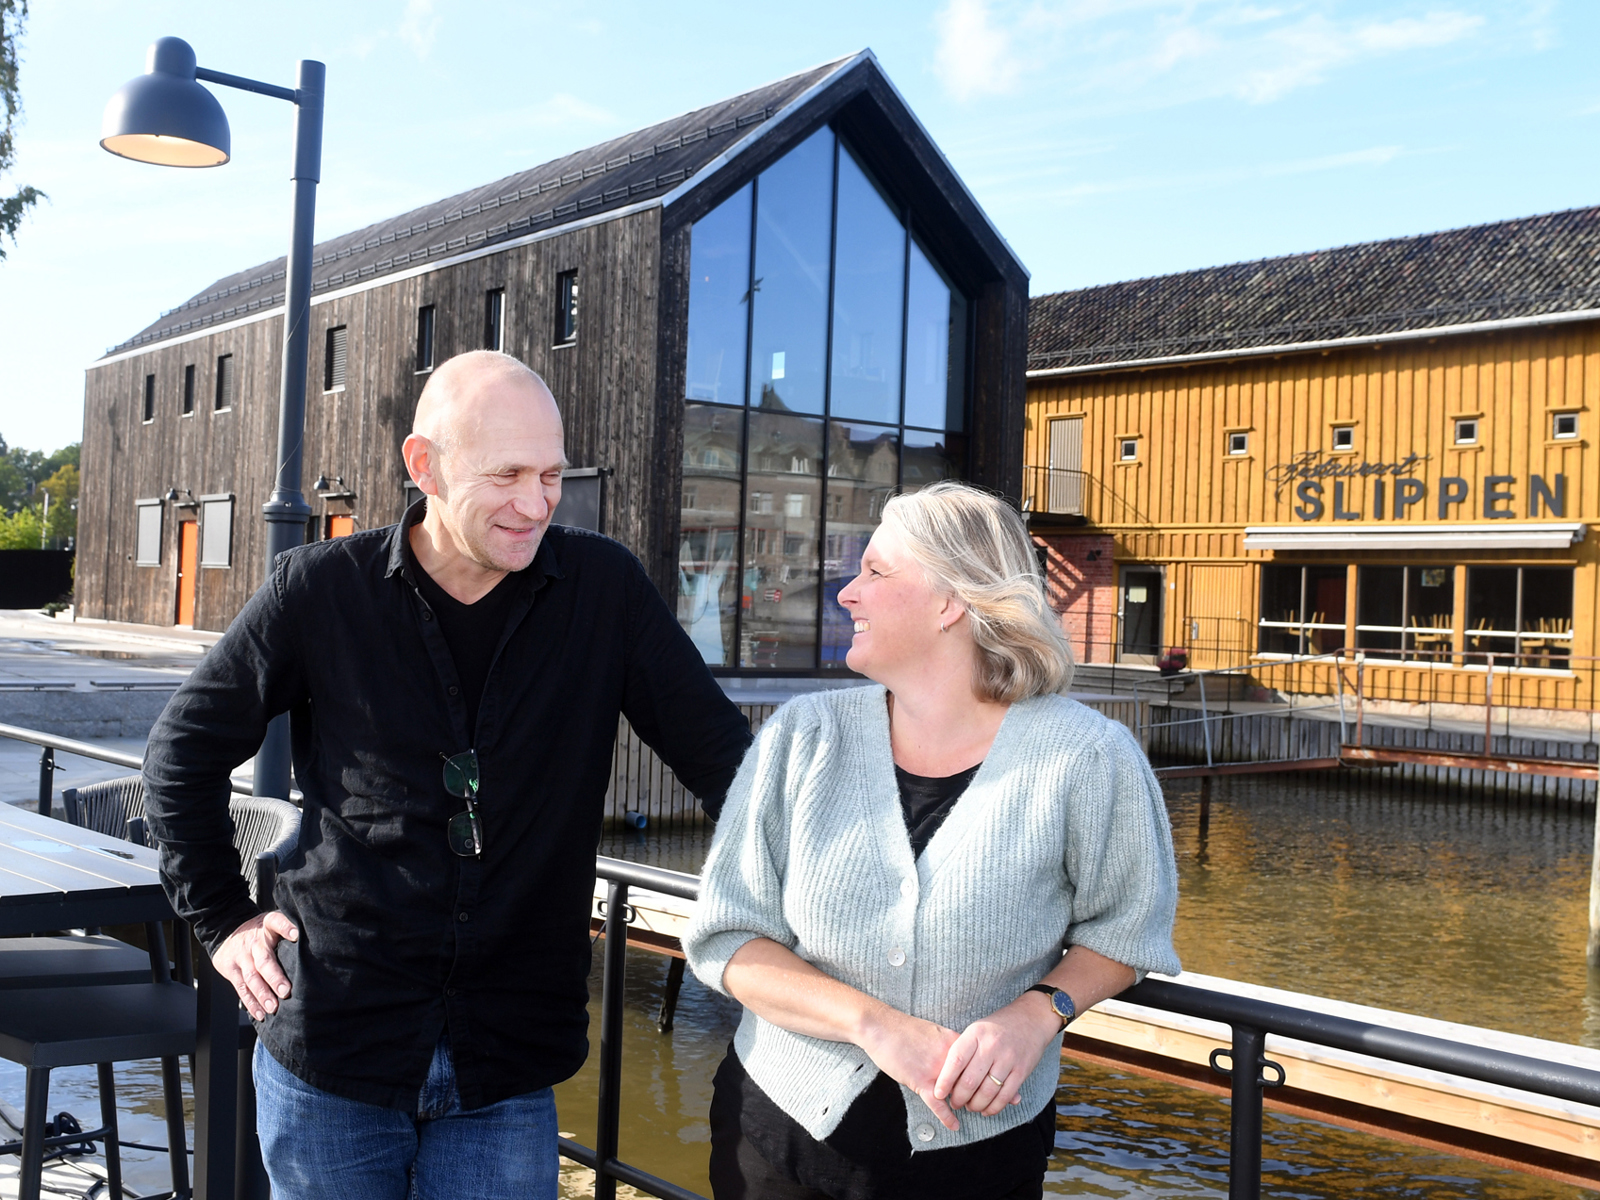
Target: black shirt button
(450,991)
(455,691)
(461,916)
(427,614)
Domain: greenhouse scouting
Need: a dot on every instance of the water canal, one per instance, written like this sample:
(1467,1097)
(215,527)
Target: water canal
(1464,910)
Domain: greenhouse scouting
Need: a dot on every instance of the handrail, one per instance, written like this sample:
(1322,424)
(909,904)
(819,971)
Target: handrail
(47,760)
(1249,1069)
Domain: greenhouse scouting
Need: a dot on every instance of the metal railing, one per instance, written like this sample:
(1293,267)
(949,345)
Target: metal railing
(1058,491)
(51,744)
(1249,1020)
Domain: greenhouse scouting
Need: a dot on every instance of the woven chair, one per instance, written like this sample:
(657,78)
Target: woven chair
(106,807)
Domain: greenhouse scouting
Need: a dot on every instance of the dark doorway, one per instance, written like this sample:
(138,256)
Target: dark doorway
(1141,613)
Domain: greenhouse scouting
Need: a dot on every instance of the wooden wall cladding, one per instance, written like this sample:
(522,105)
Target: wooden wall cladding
(604,382)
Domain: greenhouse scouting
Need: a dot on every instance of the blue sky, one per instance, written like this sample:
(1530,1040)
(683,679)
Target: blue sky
(1108,139)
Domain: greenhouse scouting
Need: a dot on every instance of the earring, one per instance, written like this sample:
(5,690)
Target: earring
(942,628)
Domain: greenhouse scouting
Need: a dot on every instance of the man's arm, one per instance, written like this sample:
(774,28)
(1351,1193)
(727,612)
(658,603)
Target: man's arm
(214,722)
(675,705)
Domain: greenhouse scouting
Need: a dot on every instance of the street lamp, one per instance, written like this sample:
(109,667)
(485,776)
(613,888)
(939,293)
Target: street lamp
(165,117)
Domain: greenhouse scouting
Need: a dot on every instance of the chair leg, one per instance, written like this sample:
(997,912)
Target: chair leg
(177,1136)
(33,1119)
(249,1173)
(108,1118)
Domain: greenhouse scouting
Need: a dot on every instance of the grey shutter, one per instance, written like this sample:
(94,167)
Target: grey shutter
(216,531)
(147,546)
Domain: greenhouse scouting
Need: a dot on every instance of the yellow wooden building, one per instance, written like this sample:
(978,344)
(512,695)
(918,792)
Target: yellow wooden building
(1383,448)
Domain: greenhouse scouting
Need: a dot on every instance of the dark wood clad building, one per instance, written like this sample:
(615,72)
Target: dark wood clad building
(759,319)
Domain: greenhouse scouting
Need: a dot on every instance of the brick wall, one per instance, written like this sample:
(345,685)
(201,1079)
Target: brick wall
(1081,581)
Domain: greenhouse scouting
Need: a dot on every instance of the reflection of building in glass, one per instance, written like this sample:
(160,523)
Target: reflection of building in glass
(856,373)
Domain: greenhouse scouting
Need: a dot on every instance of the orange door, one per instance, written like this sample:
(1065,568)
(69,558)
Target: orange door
(341,526)
(188,567)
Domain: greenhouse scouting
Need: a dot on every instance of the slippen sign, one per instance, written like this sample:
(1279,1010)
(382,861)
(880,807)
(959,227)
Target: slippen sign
(1356,491)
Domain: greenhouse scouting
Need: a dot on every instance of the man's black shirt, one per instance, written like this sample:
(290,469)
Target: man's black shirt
(400,939)
(471,631)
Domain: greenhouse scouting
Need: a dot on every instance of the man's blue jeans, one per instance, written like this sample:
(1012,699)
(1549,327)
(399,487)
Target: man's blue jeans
(317,1145)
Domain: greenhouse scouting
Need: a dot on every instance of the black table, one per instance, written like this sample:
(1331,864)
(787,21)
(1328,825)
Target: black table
(58,876)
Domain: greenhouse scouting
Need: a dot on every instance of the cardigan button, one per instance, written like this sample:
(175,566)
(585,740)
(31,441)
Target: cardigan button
(897,957)
(907,887)
(925,1133)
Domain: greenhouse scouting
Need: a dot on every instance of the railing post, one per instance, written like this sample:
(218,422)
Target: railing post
(616,966)
(1246,1062)
(47,780)
(1205,723)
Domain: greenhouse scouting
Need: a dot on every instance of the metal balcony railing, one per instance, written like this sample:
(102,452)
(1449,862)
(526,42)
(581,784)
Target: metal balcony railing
(1057,491)
(1249,1070)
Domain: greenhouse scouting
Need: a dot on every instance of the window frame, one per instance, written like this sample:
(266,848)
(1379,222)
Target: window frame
(1556,421)
(224,393)
(494,319)
(1238,443)
(335,359)
(187,409)
(1407,651)
(210,506)
(140,556)
(1128,450)
(1519,634)
(427,323)
(1300,626)
(1344,438)
(1465,432)
(147,405)
(568,297)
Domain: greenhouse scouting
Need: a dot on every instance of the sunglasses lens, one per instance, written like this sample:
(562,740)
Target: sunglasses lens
(461,774)
(463,833)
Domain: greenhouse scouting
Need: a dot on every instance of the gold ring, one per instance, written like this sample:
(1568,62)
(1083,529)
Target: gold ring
(999,1083)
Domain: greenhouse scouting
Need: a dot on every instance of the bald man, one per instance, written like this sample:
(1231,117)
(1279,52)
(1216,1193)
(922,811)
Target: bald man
(453,684)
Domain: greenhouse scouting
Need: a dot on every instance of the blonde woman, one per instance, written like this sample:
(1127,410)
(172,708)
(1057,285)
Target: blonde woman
(916,886)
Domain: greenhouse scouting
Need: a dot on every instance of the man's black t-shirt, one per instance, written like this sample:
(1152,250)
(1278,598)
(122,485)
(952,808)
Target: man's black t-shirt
(472,631)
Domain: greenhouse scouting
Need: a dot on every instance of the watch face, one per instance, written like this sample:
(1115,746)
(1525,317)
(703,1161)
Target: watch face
(1063,1005)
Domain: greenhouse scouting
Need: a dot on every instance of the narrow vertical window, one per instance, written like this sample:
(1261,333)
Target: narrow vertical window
(425,338)
(188,390)
(334,358)
(149,399)
(566,307)
(494,319)
(224,399)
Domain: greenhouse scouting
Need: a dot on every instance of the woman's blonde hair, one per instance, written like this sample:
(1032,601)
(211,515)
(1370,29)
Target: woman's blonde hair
(974,547)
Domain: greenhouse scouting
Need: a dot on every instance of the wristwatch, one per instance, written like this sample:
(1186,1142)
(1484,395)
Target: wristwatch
(1060,1001)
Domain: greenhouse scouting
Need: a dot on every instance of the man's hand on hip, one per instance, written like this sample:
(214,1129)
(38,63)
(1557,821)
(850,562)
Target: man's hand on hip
(248,959)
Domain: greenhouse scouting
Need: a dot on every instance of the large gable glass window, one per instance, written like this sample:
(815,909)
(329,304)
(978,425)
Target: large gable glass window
(826,369)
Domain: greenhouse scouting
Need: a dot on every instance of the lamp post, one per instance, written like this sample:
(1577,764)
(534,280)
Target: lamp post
(165,117)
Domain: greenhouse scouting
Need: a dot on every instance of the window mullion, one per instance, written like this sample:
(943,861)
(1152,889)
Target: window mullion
(744,429)
(827,411)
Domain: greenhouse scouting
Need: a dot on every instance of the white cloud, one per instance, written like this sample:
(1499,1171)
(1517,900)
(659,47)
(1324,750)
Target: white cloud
(974,57)
(419,25)
(1164,52)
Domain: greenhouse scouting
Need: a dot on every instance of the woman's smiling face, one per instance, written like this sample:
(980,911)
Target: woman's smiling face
(896,610)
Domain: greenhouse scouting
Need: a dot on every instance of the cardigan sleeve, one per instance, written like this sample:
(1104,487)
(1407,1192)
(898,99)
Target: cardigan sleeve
(741,886)
(1119,859)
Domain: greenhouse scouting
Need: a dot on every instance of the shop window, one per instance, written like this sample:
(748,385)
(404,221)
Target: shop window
(1406,612)
(149,409)
(1344,437)
(1467,431)
(1302,609)
(869,276)
(1564,425)
(425,338)
(188,390)
(1130,450)
(1519,616)
(1238,443)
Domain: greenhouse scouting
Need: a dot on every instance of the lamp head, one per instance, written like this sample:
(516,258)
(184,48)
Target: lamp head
(164,116)
(321,485)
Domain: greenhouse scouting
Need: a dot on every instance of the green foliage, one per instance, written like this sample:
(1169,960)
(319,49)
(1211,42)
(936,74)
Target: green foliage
(62,523)
(20,531)
(13,14)
(23,471)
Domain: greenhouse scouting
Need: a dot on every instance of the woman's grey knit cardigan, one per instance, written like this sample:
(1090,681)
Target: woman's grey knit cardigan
(1060,839)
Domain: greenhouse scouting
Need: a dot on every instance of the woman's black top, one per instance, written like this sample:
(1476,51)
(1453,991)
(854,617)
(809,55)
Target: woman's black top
(868,1156)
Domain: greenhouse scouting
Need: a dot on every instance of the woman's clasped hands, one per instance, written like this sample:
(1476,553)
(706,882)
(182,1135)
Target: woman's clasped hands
(982,1069)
